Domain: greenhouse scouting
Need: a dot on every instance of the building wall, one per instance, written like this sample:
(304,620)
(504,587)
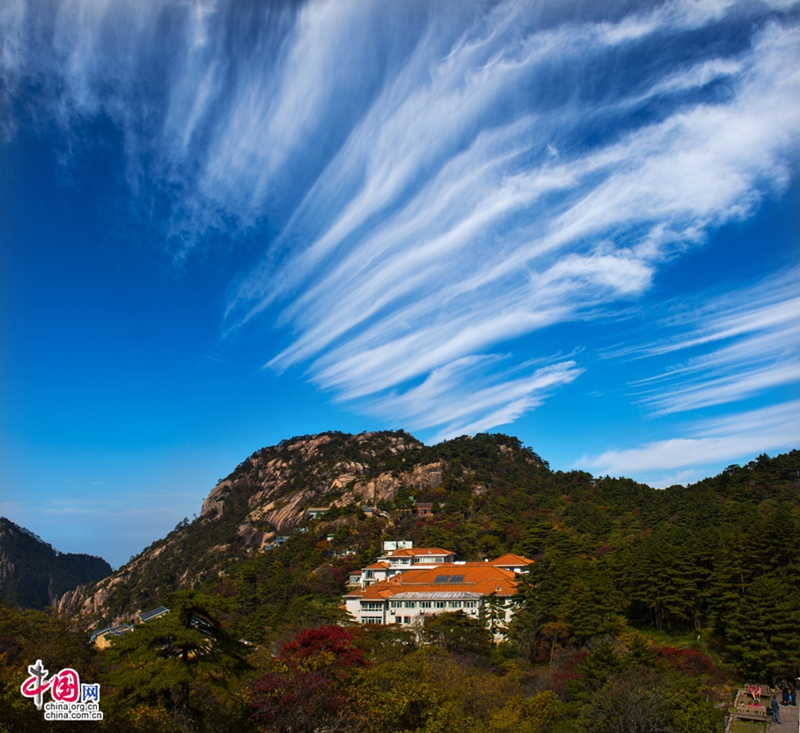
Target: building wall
(405,612)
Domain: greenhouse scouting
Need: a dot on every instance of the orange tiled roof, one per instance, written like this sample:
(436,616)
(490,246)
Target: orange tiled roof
(377,566)
(510,559)
(483,578)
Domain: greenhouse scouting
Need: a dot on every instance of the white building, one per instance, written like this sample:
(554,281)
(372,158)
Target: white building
(419,590)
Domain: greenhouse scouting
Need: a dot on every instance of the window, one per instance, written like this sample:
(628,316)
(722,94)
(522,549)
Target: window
(469,604)
(368,574)
(424,604)
(396,604)
(372,605)
(406,619)
(372,620)
(410,604)
(454,604)
(439,604)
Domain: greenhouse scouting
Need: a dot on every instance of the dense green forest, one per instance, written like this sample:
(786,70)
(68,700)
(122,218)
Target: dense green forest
(654,602)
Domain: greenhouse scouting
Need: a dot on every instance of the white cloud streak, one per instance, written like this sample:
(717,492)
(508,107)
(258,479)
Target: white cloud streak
(460,398)
(749,342)
(442,178)
(744,345)
(723,439)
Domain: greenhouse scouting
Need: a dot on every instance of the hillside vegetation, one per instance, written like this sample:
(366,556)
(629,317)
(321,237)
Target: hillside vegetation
(721,556)
(33,574)
(643,608)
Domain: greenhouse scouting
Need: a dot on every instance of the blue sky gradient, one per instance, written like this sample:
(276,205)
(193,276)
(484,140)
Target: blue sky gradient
(224,224)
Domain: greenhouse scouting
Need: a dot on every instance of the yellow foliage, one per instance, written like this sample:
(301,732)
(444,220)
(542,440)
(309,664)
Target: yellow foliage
(527,715)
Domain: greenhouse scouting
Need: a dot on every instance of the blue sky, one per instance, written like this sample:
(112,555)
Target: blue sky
(225,224)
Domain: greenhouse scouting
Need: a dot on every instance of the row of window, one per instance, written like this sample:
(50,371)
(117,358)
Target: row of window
(432,604)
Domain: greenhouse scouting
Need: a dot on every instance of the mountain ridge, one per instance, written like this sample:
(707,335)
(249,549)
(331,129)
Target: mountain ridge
(33,574)
(265,495)
(255,539)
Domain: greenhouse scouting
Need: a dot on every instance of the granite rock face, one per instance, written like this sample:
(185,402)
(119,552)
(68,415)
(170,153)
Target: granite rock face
(267,497)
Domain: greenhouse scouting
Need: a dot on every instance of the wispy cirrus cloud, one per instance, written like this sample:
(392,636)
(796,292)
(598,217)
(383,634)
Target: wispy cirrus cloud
(442,179)
(462,396)
(711,441)
(748,342)
(743,345)
(445,248)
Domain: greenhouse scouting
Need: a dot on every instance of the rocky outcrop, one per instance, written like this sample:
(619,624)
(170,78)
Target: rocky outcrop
(214,504)
(266,496)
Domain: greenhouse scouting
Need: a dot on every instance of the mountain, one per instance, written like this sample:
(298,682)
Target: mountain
(34,575)
(265,497)
(610,549)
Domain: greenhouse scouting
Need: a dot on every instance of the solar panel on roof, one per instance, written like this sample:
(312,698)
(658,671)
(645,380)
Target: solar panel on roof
(441,578)
(456,578)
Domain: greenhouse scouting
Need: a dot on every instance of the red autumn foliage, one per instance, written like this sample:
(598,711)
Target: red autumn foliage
(686,660)
(602,550)
(327,639)
(568,672)
(307,688)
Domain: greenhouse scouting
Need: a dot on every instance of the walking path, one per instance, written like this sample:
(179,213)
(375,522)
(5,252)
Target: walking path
(751,718)
(790,722)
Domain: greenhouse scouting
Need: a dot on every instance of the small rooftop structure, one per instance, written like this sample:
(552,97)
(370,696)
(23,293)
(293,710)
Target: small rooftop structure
(391,545)
(102,638)
(512,562)
(317,511)
(145,616)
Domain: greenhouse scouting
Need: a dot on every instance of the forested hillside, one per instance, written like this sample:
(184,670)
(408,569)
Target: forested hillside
(610,553)
(34,575)
(656,601)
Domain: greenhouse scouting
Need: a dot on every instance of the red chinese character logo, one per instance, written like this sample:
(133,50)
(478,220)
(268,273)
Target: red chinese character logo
(66,686)
(34,686)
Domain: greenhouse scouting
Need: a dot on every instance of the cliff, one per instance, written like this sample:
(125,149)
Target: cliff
(264,497)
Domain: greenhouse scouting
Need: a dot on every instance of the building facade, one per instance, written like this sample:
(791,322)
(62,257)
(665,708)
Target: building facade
(417,590)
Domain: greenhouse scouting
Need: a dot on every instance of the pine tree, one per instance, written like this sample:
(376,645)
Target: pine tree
(762,632)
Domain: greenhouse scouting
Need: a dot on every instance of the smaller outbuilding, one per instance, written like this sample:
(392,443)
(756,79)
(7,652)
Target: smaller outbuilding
(145,616)
(102,639)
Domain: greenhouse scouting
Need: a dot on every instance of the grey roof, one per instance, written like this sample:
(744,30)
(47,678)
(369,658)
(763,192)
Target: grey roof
(112,631)
(100,632)
(436,596)
(120,630)
(147,615)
